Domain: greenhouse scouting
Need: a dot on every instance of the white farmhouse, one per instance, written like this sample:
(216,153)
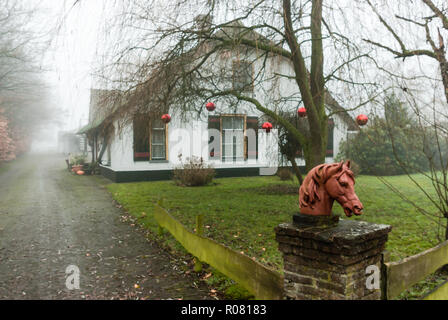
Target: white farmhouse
(230,138)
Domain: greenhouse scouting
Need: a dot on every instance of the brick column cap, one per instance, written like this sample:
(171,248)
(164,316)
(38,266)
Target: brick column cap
(345,232)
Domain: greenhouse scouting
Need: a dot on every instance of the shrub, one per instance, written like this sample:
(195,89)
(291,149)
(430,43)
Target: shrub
(373,151)
(284,174)
(356,169)
(193,172)
(390,145)
(79,159)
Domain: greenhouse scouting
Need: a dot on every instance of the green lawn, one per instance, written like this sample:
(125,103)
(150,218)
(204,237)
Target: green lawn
(242,212)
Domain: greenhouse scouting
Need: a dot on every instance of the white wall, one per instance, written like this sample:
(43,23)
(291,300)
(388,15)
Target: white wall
(189,139)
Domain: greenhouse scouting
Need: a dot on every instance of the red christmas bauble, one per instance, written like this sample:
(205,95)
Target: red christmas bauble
(267,126)
(210,106)
(301,112)
(362,119)
(166,118)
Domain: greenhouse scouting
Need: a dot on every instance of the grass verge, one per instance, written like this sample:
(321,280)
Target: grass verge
(242,213)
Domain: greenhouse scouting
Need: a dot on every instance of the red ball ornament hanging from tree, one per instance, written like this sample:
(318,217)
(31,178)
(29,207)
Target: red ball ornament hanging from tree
(210,106)
(166,118)
(362,119)
(267,126)
(301,112)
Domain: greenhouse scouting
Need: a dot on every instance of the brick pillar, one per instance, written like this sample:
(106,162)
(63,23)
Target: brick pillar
(329,260)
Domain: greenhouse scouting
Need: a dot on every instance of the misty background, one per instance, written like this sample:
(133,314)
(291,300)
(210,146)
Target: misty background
(68,43)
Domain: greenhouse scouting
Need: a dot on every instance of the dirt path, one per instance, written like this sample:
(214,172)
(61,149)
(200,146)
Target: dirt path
(50,219)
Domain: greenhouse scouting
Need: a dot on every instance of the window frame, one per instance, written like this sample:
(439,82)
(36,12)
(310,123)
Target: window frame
(255,128)
(165,130)
(150,136)
(244,116)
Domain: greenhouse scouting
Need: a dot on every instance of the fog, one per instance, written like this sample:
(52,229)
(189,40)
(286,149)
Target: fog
(77,37)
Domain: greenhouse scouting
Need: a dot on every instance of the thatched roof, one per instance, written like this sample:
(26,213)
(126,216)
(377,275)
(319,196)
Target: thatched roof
(103,104)
(236,29)
(103,108)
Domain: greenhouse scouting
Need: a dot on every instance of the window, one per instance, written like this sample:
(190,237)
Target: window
(214,137)
(252,137)
(158,139)
(235,135)
(149,139)
(232,138)
(242,76)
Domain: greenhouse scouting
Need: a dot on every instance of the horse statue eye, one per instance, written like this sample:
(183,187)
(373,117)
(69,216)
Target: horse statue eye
(344,184)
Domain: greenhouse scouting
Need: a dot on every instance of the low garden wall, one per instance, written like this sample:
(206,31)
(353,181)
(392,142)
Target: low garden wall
(262,282)
(319,262)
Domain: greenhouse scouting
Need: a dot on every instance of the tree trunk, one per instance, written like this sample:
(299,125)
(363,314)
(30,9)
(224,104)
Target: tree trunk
(92,143)
(314,157)
(311,84)
(296,170)
(444,71)
(103,149)
(315,152)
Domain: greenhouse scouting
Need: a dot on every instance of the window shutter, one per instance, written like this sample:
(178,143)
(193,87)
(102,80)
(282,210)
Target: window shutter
(141,138)
(214,138)
(252,148)
(330,141)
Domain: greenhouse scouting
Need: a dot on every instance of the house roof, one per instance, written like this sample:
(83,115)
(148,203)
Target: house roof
(91,126)
(233,30)
(236,29)
(103,104)
(336,108)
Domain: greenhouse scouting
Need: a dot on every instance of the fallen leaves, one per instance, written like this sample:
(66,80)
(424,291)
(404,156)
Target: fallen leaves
(208,275)
(213,293)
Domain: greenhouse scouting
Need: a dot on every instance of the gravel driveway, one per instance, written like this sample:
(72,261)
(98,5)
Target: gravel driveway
(50,219)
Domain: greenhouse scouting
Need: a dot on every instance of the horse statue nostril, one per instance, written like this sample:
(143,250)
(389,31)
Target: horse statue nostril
(357,210)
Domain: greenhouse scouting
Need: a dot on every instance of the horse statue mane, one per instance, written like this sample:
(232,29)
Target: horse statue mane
(326,183)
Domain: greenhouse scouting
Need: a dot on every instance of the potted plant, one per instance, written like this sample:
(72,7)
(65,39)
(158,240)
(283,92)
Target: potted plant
(78,163)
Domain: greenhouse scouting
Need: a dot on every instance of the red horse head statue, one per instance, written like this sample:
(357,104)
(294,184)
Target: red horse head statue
(326,183)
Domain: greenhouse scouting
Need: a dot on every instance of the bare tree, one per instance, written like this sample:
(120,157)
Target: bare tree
(23,93)
(18,50)
(419,30)
(184,50)
(430,26)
